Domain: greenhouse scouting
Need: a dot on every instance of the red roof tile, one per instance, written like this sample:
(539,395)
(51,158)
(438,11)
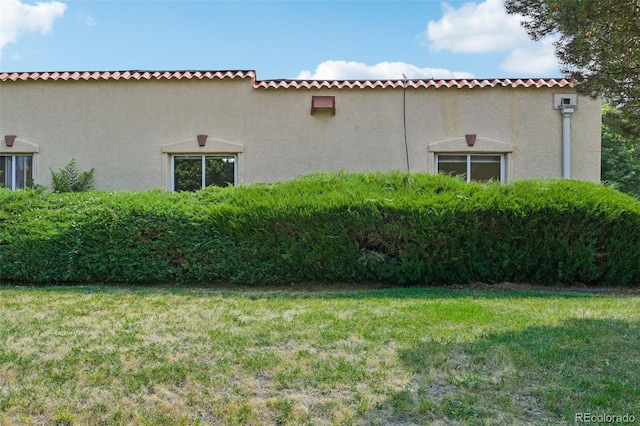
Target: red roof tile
(362,84)
(125,75)
(282,84)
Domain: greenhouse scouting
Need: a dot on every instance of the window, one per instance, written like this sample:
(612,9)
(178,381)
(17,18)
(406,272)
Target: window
(16,171)
(482,168)
(193,172)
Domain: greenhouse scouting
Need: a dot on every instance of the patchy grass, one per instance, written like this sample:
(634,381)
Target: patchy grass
(185,355)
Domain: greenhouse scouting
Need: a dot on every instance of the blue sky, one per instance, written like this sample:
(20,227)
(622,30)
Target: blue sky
(310,39)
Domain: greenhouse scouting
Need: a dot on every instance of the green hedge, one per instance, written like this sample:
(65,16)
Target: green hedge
(395,227)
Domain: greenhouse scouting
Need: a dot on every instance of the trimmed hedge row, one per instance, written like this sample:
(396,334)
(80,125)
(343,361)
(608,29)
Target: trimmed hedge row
(396,227)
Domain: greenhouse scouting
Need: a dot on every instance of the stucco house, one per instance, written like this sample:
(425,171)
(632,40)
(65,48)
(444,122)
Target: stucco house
(182,130)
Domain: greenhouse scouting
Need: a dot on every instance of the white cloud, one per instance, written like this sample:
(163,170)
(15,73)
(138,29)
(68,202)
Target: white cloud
(89,21)
(16,17)
(533,58)
(476,28)
(486,27)
(343,70)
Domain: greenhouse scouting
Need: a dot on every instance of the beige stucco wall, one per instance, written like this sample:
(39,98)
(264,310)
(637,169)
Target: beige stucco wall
(127,130)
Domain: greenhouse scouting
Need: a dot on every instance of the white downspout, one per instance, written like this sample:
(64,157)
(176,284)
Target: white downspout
(567,111)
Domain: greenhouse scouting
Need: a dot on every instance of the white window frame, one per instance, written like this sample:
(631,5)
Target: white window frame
(203,159)
(14,169)
(469,155)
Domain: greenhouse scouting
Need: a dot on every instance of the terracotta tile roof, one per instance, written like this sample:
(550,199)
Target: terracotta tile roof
(124,75)
(282,84)
(415,83)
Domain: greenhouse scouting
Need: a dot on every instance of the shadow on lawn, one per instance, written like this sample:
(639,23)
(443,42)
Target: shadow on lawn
(539,375)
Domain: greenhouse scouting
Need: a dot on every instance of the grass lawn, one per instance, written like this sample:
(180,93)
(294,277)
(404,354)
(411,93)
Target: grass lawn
(188,355)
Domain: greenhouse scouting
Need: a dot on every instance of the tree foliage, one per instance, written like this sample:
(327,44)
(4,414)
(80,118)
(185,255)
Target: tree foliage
(598,44)
(70,179)
(620,152)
